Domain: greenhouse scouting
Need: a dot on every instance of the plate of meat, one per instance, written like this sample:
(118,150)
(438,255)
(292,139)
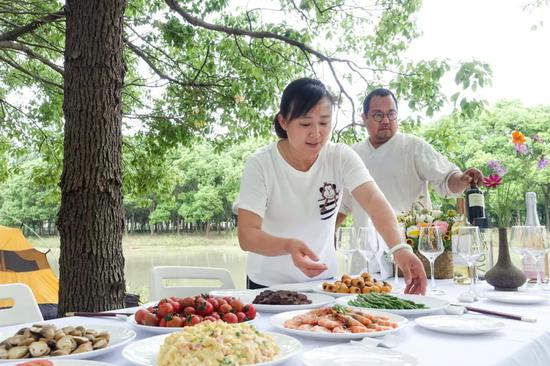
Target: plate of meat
(338,323)
(271,301)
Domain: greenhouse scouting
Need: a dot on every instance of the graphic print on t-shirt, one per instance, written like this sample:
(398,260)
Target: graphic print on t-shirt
(329,198)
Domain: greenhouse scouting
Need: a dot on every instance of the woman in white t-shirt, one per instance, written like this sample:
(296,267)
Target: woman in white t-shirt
(291,191)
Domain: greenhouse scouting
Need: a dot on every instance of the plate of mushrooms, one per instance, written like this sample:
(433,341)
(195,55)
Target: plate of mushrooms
(40,341)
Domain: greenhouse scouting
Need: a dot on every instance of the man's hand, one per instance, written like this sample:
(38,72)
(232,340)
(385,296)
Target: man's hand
(305,259)
(471,175)
(413,271)
(458,182)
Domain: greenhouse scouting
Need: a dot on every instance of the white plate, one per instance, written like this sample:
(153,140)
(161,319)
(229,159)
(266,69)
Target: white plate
(66,362)
(119,336)
(145,352)
(352,355)
(233,293)
(460,324)
(434,304)
(278,320)
(317,300)
(298,287)
(515,297)
(164,330)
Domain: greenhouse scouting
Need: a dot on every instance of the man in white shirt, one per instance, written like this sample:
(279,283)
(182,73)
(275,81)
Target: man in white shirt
(402,165)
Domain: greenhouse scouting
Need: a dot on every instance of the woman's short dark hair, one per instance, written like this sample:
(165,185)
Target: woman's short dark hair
(380,92)
(298,98)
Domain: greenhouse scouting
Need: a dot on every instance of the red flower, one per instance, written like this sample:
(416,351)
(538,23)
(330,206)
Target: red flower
(492,181)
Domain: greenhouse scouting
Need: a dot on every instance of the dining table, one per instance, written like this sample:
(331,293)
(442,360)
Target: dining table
(516,343)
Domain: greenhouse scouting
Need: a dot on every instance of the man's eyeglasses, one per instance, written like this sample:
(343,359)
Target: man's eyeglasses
(379,116)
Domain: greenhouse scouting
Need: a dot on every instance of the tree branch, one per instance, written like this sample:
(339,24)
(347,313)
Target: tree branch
(19,47)
(18,32)
(159,72)
(16,66)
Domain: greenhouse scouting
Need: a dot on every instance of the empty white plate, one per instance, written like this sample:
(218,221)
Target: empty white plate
(515,297)
(356,355)
(460,324)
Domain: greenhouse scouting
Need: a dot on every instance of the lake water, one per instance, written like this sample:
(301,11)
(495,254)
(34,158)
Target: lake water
(140,261)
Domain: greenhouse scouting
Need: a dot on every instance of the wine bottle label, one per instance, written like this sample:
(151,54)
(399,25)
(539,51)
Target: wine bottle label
(476,199)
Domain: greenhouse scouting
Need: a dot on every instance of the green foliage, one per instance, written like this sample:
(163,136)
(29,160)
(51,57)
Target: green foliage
(474,142)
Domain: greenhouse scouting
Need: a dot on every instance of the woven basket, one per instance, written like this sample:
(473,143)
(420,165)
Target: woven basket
(443,266)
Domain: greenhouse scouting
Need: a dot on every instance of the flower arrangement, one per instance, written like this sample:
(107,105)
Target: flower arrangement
(500,180)
(419,216)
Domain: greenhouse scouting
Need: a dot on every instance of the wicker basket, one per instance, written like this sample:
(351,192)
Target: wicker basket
(443,265)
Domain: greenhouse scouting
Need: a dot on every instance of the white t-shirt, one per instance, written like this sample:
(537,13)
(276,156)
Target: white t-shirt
(402,169)
(299,205)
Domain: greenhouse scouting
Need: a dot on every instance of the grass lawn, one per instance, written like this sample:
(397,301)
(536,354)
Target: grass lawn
(157,241)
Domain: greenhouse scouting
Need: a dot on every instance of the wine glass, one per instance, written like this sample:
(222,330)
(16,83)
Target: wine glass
(531,241)
(366,244)
(396,283)
(470,247)
(345,244)
(430,245)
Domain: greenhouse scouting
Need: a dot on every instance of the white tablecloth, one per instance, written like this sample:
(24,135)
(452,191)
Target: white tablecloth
(518,343)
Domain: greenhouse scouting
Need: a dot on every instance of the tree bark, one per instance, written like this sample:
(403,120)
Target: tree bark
(91,217)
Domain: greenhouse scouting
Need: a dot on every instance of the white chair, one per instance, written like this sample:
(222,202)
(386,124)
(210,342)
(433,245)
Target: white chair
(24,309)
(158,290)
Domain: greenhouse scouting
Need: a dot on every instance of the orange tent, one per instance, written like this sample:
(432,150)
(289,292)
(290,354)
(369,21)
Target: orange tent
(20,262)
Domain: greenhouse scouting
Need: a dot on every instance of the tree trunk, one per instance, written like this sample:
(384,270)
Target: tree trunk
(91,217)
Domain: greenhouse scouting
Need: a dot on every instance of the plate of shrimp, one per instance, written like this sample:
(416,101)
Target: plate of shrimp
(338,323)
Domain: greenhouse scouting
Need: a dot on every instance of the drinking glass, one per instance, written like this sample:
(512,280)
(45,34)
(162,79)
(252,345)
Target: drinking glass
(531,241)
(470,247)
(345,244)
(430,245)
(396,282)
(366,245)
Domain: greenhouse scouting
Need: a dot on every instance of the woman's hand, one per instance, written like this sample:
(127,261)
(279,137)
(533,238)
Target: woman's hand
(304,258)
(413,271)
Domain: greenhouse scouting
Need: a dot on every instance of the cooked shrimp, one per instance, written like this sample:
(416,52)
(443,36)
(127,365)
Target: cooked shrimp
(329,323)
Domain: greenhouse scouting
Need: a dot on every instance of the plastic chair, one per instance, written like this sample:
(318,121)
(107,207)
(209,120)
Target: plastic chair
(158,274)
(24,309)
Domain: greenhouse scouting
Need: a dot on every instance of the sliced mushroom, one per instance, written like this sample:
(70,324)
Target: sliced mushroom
(84,347)
(18,352)
(103,335)
(38,349)
(59,334)
(66,342)
(60,352)
(35,329)
(22,331)
(76,333)
(47,332)
(28,341)
(67,330)
(80,340)
(100,343)
(16,340)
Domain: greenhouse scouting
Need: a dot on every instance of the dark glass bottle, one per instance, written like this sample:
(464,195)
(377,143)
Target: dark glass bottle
(475,203)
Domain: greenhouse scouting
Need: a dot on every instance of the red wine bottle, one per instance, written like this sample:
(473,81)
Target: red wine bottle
(475,203)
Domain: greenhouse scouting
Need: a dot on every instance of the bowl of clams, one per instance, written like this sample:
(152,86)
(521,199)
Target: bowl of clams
(72,341)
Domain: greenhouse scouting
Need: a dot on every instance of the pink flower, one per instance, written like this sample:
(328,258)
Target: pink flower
(443,226)
(521,149)
(492,181)
(542,163)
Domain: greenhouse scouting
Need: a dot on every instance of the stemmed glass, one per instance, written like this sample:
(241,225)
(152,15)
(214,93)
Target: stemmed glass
(430,245)
(396,283)
(366,245)
(470,247)
(531,240)
(345,244)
